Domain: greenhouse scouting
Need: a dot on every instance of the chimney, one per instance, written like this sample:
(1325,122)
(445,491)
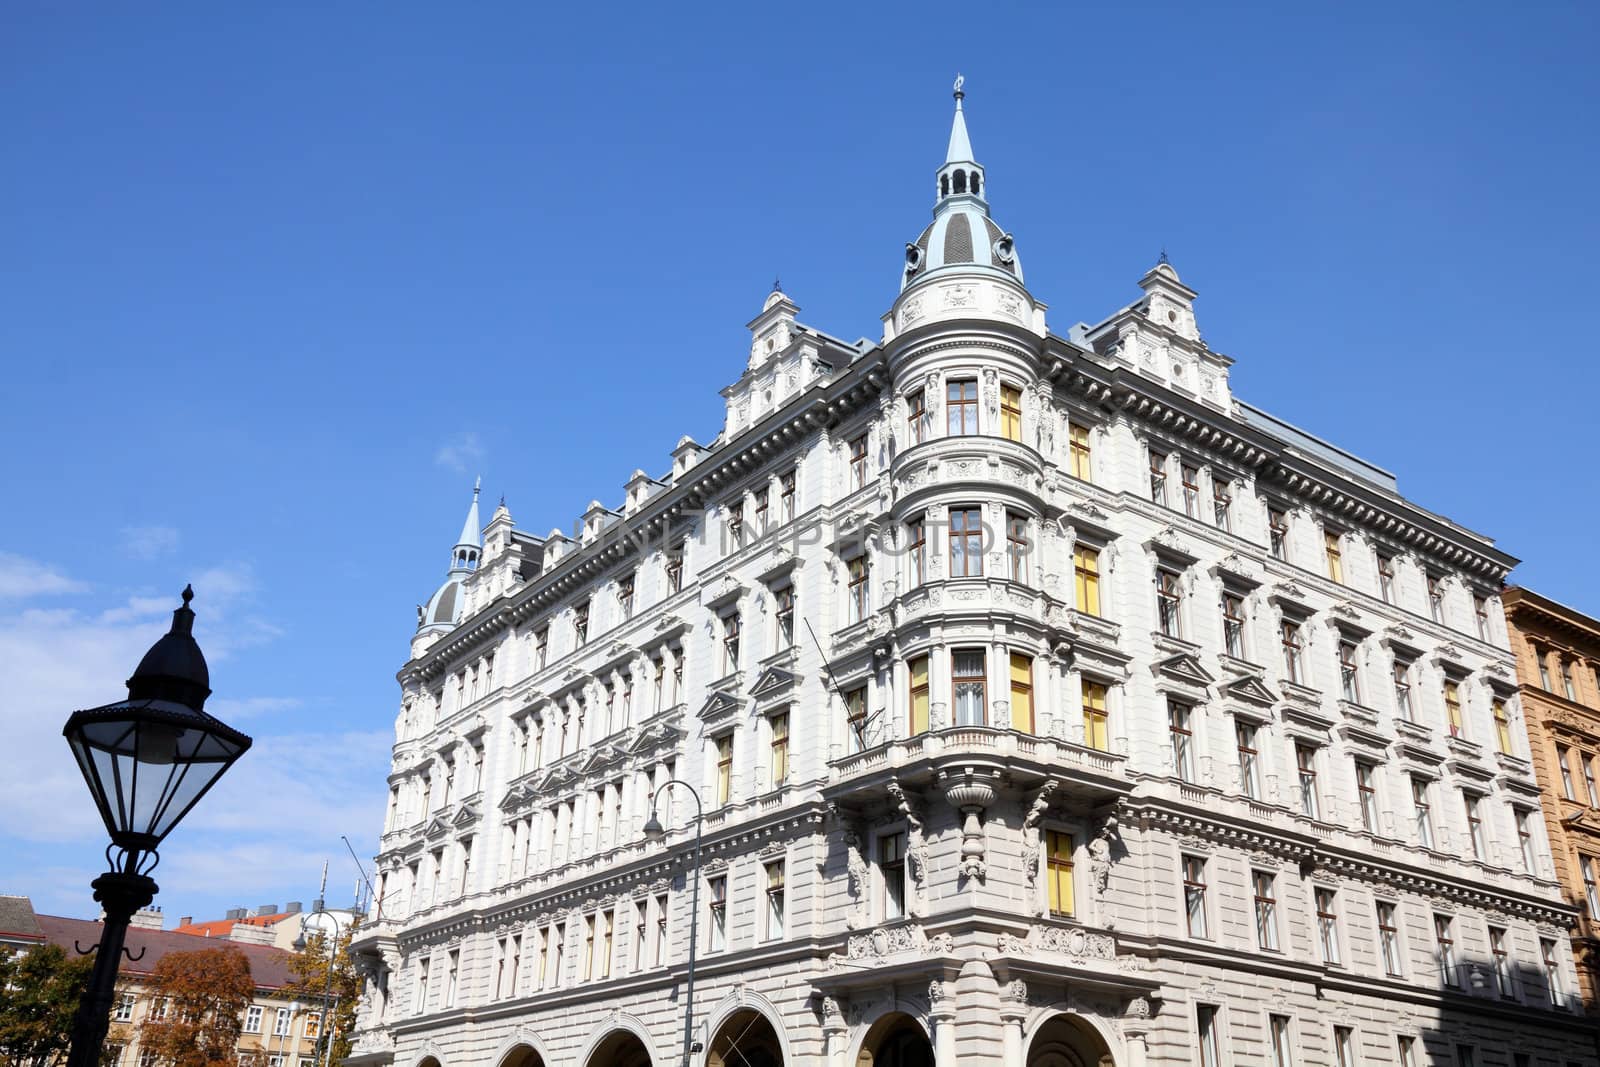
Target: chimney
(264,909)
(292,908)
(234,913)
(186,920)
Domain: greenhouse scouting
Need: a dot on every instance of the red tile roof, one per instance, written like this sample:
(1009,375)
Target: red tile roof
(224,927)
(269,966)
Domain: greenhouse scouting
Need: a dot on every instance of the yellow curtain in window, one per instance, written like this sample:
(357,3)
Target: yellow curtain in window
(1011,413)
(919,694)
(1086,567)
(1021,693)
(1058,850)
(1095,718)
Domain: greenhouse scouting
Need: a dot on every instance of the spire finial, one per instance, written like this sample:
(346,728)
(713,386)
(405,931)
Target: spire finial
(777,284)
(477,486)
(188,594)
(1164,258)
(960,81)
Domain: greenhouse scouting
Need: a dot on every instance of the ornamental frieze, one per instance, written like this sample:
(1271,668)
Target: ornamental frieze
(878,945)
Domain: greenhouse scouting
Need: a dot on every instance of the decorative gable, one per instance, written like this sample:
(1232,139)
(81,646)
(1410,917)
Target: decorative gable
(515,797)
(1250,689)
(773,684)
(439,827)
(719,705)
(464,818)
(1184,668)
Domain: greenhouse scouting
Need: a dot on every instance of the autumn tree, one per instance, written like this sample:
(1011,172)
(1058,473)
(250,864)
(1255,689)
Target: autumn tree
(202,997)
(39,995)
(323,977)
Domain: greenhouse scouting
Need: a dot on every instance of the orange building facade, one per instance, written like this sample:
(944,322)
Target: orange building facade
(1558,671)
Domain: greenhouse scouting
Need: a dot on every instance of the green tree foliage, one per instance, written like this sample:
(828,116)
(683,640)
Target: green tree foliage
(39,995)
(316,976)
(206,994)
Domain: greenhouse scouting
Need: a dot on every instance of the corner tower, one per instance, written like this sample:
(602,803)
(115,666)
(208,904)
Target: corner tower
(443,609)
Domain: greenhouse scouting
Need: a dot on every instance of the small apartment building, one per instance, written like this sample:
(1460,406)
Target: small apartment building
(280,1030)
(1558,675)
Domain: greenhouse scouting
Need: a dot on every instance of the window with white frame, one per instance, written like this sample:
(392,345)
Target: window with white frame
(1435,597)
(280,1022)
(1158,477)
(1367,795)
(1349,670)
(1191,489)
(892,873)
(1500,953)
(1344,1046)
(717,891)
(1406,1049)
(1249,759)
(1327,904)
(1017,546)
(1180,729)
(968,678)
(1207,1024)
(916,551)
(1591,893)
(1333,551)
(1422,811)
(1445,949)
(1305,759)
(1169,602)
(1564,762)
(966,542)
(1278,1027)
(252,1014)
(1221,502)
(1475,834)
(1389,938)
(1402,691)
(775,872)
(1233,624)
(1293,641)
(1386,578)
(1278,532)
(1552,971)
(1524,820)
(730,643)
(859,590)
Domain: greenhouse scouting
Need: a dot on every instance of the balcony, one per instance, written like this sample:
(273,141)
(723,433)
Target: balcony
(971,460)
(1088,774)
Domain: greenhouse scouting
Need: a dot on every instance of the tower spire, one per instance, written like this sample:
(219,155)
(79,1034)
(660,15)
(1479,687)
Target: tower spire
(469,546)
(960,150)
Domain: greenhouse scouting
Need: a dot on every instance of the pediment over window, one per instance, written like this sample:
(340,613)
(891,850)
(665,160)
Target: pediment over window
(1358,735)
(774,683)
(1184,668)
(515,797)
(439,827)
(1239,573)
(1251,690)
(657,735)
(603,756)
(464,817)
(720,705)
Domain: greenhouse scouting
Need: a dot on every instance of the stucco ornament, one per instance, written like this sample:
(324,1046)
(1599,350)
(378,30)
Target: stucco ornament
(857,873)
(1031,842)
(916,849)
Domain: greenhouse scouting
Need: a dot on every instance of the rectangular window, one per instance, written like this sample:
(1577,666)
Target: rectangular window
(1194,895)
(780,749)
(1402,691)
(1552,971)
(1305,759)
(1407,1049)
(1436,598)
(586,967)
(1169,603)
(1221,503)
(724,768)
(1422,812)
(451,974)
(1282,1050)
(625,596)
(1367,792)
(1480,612)
(1566,680)
(1544,669)
(421,1004)
(775,894)
(968,683)
(675,568)
(608,922)
(1293,653)
(1158,478)
(1058,856)
(1233,625)
(1249,759)
(1011,413)
(1349,671)
(1086,577)
(1591,895)
(918,670)
(1344,1046)
(1502,727)
(1389,938)
(1191,489)
(641,930)
(1266,911)
(763,512)
(718,891)
(1466,1056)
(1386,578)
(860,599)
(1017,546)
(252,1015)
(1588,779)
(1564,761)
(1078,449)
(858,462)
(280,1021)
(1182,736)
(786,495)
(961,406)
(1452,707)
(730,643)
(1330,545)
(580,623)
(784,612)
(892,867)
(1327,925)
(855,717)
(1205,1022)
(1480,850)
(658,955)
(1278,532)
(1096,717)
(1445,949)
(1524,821)
(917,551)
(916,416)
(1021,693)
(966,543)
(1503,983)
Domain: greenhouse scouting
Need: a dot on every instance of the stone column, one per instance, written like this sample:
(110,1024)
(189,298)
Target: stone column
(835,1034)
(942,1023)
(1013,1013)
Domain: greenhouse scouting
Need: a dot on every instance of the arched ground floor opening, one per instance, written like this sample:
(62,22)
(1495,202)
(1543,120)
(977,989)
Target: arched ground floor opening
(1068,1041)
(620,1049)
(747,1039)
(896,1040)
(522,1056)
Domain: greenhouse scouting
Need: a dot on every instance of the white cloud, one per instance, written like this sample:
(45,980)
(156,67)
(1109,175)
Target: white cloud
(22,578)
(148,542)
(235,711)
(460,452)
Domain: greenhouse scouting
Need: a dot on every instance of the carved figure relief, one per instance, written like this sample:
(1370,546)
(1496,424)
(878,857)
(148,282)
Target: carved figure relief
(1031,850)
(856,872)
(916,849)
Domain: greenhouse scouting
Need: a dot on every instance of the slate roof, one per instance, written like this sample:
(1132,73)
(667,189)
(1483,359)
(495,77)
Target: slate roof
(17,921)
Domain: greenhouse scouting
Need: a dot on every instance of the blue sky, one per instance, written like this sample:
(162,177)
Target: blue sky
(279,282)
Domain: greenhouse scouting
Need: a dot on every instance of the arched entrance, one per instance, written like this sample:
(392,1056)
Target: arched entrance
(1068,1041)
(620,1049)
(522,1056)
(896,1040)
(747,1039)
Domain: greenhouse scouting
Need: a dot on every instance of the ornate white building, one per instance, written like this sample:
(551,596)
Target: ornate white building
(1048,706)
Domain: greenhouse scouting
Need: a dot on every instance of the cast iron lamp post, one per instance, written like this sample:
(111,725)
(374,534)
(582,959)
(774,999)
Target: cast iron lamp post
(332,940)
(147,760)
(654,832)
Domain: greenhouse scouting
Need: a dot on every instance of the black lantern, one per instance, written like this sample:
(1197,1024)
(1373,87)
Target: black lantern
(148,760)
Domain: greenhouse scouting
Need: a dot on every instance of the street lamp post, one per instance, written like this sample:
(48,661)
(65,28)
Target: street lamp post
(328,997)
(147,761)
(654,831)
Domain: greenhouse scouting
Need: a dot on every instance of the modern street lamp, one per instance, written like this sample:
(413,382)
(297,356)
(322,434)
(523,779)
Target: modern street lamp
(147,760)
(323,918)
(654,831)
